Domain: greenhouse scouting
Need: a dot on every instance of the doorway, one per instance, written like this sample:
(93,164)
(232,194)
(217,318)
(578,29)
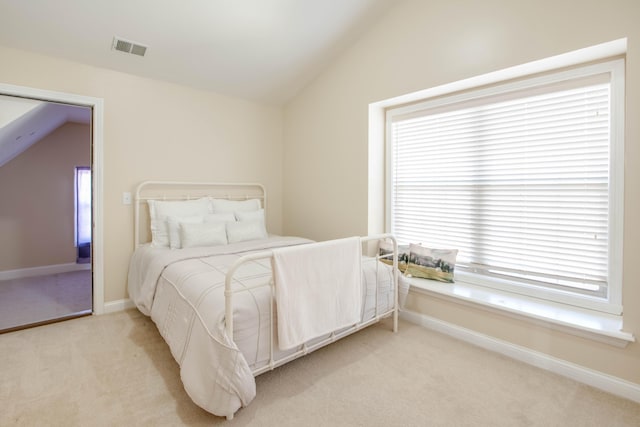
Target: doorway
(75,263)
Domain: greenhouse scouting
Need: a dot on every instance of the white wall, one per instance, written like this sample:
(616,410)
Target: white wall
(422,44)
(160,131)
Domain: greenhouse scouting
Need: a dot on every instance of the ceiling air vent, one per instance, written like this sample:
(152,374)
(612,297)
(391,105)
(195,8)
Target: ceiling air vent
(128,46)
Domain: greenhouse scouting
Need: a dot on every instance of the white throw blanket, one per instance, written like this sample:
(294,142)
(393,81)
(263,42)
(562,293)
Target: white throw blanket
(318,289)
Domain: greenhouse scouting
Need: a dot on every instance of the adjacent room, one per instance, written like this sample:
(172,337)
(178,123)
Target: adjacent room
(304,212)
(46,259)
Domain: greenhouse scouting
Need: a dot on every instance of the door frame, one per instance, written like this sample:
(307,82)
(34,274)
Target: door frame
(97,130)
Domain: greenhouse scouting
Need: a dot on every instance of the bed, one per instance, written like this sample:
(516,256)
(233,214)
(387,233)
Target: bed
(233,301)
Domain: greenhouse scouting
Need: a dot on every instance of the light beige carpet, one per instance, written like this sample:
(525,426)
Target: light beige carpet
(115,370)
(43,298)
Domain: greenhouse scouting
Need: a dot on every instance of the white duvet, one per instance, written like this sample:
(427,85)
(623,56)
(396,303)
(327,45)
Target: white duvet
(183,292)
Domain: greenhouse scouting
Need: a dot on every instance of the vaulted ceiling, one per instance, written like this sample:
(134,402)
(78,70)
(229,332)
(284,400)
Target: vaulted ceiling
(261,50)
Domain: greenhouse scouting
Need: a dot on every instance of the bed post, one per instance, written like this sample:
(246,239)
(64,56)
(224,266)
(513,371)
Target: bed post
(396,284)
(395,273)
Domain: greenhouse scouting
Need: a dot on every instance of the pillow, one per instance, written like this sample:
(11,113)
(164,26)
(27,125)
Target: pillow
(159,210)
(250,215)
(203,234)
(241,231)
(223,205)
(159,233)
(386,248)
(436,264)
(220,217)
(173,225)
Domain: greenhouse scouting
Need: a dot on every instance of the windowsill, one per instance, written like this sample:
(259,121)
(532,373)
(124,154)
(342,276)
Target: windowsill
(585,323)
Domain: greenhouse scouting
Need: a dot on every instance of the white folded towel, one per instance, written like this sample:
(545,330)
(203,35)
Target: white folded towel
(318,289)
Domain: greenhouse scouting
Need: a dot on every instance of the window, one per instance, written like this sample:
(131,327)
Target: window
(83,206)
(524,178)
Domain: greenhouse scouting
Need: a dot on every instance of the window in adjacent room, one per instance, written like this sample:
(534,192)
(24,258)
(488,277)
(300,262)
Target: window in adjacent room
(524,178)
(83,213)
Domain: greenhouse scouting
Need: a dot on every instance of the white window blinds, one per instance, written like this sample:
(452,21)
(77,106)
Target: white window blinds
(517,181)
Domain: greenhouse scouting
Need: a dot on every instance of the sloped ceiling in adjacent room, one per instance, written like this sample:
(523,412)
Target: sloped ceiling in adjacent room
(23,122)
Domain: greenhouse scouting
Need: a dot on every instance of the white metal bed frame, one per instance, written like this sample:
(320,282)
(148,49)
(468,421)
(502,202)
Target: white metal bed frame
(334,336)
(175,190)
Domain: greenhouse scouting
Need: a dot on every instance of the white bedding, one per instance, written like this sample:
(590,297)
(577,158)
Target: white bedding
(183,292)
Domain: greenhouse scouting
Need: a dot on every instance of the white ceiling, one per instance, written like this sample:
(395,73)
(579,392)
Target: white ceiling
(261,50)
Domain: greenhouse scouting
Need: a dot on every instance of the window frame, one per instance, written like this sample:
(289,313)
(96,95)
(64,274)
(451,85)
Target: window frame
(612,303)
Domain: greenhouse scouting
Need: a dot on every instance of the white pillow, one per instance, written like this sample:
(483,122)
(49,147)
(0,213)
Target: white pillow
(159,233)
(173,223)
(250,215)
(241,231)
(220,217)
(159,210)
(203,234)
(223,205)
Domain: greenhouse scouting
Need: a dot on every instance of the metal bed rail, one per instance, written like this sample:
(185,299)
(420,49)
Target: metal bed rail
(334,336)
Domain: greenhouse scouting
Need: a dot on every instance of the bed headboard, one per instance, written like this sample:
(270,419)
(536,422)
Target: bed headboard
(172,190)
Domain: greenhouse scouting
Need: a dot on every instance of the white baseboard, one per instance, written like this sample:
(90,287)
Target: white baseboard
(600,380)
(118,305)
(42,271)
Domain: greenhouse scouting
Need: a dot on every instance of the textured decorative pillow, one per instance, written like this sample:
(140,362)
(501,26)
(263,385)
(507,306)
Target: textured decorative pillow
(436,264)
(203,234)
(223,205)
(241,231)
(173,224)
(385,250)
(160,210)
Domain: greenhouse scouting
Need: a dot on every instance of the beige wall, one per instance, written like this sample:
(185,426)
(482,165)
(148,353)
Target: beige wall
(37,208)
(161,131)
(422,44)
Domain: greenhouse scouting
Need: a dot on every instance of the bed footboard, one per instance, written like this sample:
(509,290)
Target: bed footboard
(334,336)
